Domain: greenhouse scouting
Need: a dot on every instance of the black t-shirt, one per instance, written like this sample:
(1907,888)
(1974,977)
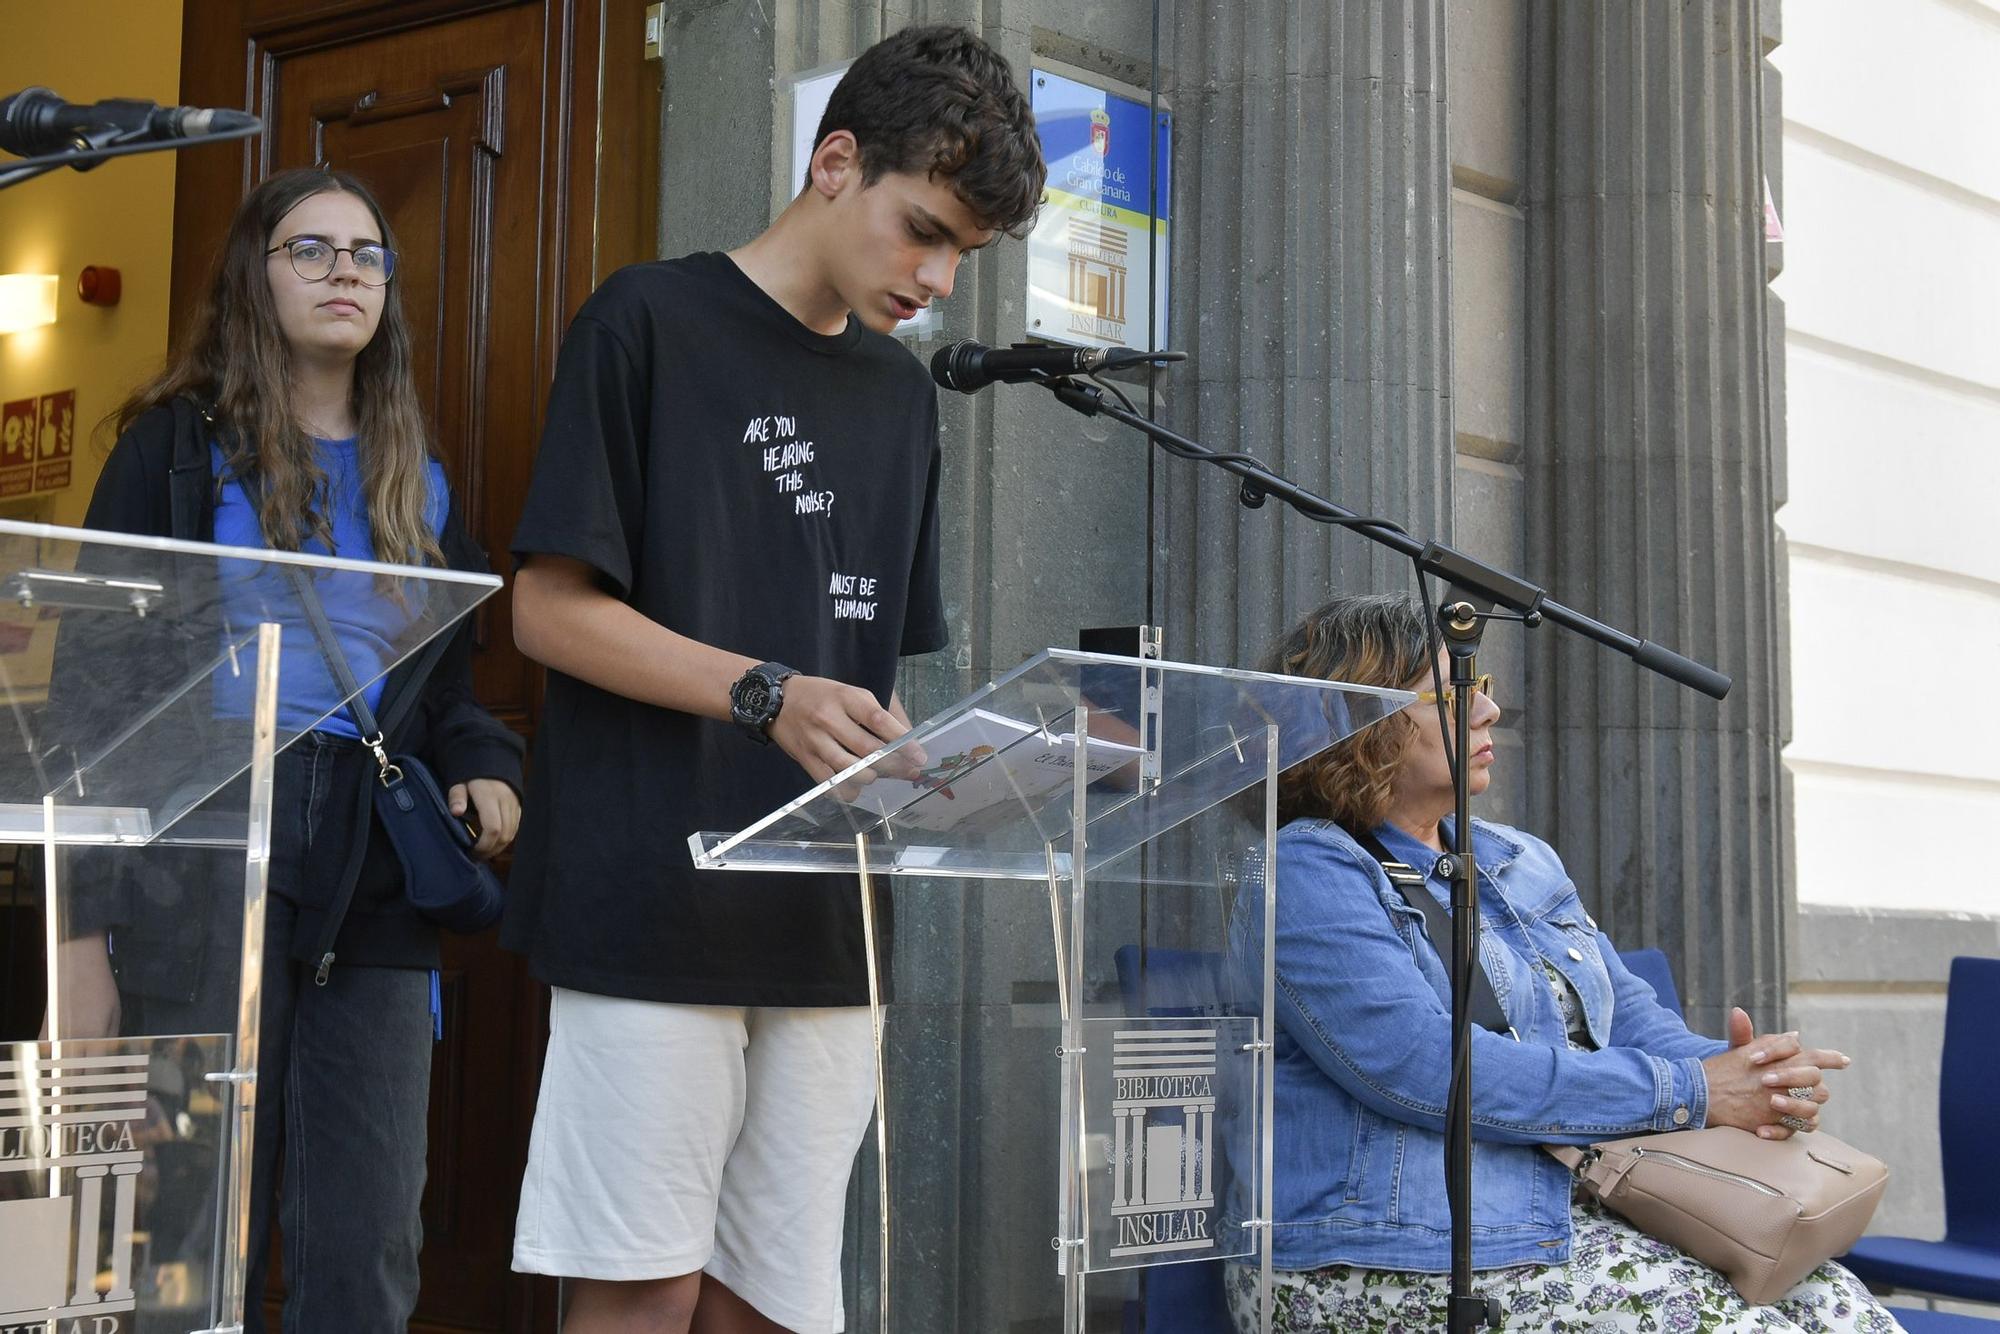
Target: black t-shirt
(753,485)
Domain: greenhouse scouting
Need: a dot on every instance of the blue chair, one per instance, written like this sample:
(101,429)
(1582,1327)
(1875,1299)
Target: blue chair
(1166,982)
(1652,968)
(1177,1298)
(1966,1264)
(1916,1321)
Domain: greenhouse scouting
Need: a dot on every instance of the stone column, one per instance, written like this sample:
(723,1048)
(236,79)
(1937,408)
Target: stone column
(1312,292)
(1652,476)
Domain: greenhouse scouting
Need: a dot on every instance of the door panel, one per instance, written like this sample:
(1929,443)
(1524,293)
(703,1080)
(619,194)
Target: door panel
(425,119)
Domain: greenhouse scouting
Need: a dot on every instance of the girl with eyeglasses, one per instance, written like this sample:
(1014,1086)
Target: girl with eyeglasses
(290,420)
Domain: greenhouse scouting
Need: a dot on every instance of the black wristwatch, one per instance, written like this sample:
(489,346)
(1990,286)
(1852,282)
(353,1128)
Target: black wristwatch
(756,697)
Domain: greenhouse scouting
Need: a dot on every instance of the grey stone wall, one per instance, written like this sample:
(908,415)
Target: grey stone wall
(1612,442)
(1313,190)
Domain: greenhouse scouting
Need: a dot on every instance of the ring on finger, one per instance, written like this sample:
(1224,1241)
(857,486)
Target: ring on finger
(1803,1093)
(1798,1123)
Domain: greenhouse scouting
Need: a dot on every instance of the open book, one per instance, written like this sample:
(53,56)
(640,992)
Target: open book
(979,761)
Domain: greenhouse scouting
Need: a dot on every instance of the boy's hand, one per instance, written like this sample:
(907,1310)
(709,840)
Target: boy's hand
(827,726)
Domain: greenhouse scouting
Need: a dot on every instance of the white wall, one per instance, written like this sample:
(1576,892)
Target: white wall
(1892,292)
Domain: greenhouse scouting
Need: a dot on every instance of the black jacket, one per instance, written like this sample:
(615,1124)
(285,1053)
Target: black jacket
(158,481)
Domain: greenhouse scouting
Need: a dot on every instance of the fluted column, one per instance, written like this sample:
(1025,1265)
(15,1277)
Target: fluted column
(1312,290)
(1652,466)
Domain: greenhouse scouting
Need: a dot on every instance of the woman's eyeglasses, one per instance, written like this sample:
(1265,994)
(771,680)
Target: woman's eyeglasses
(314,259)
(1484,686)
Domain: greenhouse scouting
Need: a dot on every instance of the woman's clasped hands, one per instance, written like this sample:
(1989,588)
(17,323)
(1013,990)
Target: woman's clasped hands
(1769,1084)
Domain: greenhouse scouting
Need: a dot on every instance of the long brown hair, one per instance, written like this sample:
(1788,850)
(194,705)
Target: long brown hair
(1370,640)
(236,363)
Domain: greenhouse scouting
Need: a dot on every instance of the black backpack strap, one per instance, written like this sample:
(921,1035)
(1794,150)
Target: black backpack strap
(1410,883)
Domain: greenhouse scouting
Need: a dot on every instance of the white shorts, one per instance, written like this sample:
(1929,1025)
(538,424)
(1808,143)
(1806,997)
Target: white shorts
(676,1138)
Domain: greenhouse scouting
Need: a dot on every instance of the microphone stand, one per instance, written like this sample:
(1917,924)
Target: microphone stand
(90,149)
(1475,589)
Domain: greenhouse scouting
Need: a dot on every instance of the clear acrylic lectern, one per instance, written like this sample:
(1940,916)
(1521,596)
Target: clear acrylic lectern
(148,684)
(1118,1033)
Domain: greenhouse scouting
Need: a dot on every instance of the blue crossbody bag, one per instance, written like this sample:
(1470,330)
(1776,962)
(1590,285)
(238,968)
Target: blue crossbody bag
(444,882)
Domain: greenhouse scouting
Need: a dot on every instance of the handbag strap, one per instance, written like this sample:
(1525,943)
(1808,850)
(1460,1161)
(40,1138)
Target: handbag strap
(372,732)
(1571,1156)
(1411,884)
(1600,1167)
(371,729)
(330,651)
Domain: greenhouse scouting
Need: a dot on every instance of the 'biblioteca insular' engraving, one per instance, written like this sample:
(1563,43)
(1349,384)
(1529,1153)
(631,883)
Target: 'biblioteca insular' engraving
(62,1270)
(41,1143)
(1163,1140)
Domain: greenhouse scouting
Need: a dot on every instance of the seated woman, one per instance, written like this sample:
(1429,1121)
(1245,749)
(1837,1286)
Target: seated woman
(1362,1230)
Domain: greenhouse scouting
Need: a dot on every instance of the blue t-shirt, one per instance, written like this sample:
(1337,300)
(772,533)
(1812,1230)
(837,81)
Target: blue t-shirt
(369,623)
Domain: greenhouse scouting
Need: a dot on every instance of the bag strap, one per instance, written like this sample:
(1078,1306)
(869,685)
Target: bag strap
(372,734)
(1411,884)
(371,729)
(1600,1168)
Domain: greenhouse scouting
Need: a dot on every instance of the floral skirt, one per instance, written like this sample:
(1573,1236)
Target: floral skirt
(1617,1279)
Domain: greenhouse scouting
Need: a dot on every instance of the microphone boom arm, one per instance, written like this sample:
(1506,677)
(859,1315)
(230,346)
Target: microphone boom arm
(1530,602)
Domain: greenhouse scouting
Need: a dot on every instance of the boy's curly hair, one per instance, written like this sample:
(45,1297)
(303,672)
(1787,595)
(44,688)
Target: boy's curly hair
(938,101)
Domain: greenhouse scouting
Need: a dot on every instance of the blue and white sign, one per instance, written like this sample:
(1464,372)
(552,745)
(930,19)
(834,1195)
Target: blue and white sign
(1089,282)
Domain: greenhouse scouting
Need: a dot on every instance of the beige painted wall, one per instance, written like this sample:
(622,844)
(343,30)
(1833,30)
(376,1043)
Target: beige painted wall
(121,214)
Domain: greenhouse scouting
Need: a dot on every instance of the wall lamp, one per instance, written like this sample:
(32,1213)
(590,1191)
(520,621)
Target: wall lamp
(27,301)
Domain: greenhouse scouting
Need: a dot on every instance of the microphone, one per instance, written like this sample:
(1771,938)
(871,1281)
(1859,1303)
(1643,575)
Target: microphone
(969,367)
(36,121)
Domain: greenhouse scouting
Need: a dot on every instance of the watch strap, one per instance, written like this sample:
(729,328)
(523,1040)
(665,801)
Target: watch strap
(774,675)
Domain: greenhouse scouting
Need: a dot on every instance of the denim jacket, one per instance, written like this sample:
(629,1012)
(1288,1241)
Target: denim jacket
(1363,1044)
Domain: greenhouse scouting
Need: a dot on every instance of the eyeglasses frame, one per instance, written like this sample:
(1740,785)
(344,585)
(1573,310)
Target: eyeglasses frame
(388,276)
(1483,685)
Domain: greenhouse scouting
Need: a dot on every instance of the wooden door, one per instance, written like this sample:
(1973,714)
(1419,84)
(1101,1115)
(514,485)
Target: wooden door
(511,191)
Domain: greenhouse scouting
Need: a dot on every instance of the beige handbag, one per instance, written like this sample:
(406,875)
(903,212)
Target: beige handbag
(1764,1213)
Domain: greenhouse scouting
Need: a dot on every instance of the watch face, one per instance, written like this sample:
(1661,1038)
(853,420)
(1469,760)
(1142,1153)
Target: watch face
(753,697)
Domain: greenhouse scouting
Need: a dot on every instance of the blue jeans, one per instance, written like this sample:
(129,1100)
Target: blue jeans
(343,1080)
(343,1092)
